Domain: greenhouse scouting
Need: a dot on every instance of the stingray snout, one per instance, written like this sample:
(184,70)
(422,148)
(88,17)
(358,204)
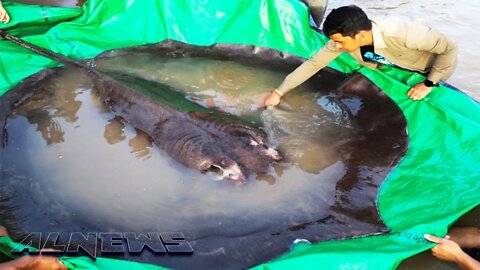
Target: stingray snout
(231,171)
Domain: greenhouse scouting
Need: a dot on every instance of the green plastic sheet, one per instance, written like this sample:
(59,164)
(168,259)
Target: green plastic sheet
(434,184)
(7,244)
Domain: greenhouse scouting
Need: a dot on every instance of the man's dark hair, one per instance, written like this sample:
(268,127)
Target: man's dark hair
(348,21)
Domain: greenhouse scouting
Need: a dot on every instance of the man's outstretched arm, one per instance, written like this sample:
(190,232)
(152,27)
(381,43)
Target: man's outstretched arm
(303,73)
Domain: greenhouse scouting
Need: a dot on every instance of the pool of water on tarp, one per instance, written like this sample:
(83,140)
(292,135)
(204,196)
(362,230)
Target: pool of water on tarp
(71,165)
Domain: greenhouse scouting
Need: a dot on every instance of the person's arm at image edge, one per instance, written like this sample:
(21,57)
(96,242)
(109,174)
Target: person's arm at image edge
(449,250)
(4,17)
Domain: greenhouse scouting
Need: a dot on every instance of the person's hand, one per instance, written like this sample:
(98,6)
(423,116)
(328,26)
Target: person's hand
(419,91)
(450,251)
(44,263)
(39,262)
(3,231)
(446,249)
(4,14)
(272,99)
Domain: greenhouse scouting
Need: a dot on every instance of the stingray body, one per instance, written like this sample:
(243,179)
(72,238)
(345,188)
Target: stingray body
(196,139)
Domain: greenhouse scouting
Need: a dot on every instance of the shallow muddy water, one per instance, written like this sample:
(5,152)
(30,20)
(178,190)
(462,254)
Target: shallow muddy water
(70,164)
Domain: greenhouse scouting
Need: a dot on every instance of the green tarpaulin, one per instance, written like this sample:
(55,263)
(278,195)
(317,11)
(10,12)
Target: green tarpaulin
(434,184)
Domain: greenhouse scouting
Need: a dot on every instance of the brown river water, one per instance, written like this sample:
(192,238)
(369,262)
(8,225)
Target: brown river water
(64,139)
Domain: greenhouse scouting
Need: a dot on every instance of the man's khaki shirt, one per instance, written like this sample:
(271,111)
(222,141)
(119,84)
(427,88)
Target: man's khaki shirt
(408,44)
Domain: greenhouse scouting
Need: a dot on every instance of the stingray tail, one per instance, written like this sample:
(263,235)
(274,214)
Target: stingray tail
(55,56)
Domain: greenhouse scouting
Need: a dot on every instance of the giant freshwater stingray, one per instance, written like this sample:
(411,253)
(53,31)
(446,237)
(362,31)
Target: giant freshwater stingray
(366,155)
(200,140)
